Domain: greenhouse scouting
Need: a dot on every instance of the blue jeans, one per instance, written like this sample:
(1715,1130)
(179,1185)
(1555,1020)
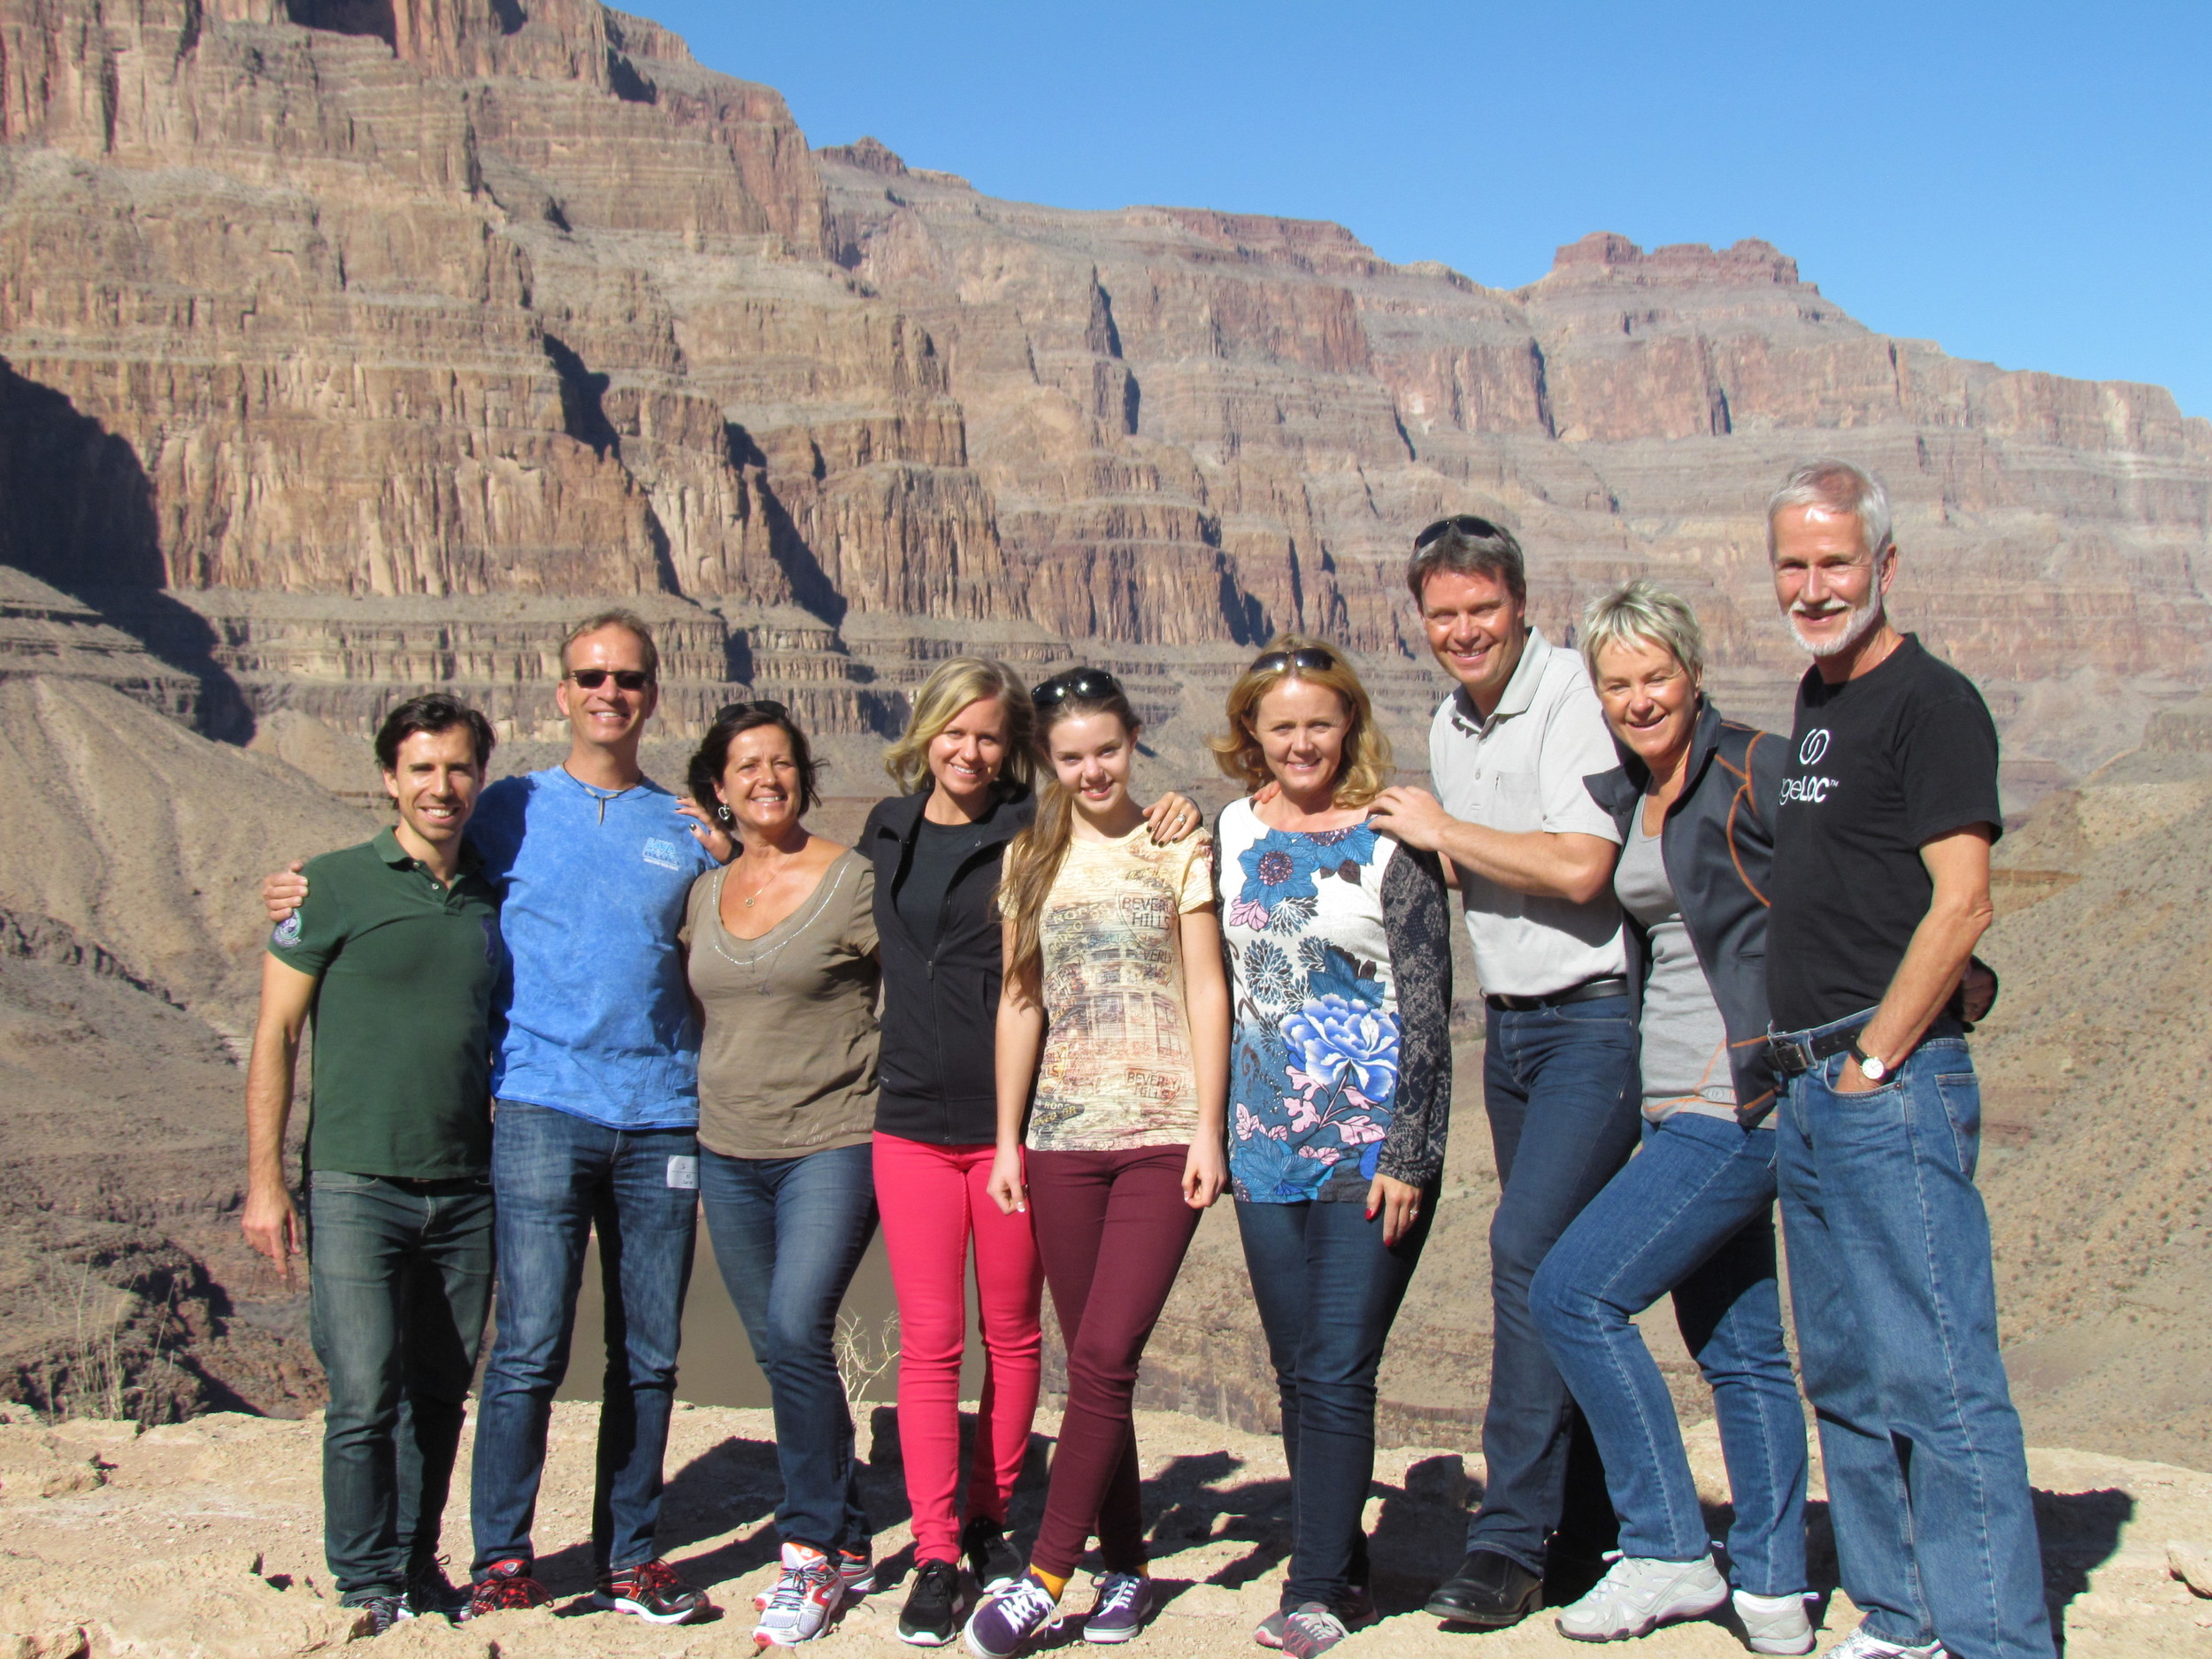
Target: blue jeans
(1896,1311)
(1560,1089)
(1327,1291)
(400,1281)
(557,1177)
(788,1235)
(1693,1213)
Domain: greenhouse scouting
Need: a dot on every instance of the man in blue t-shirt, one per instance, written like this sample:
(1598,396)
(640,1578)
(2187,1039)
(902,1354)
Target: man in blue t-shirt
(596,1109)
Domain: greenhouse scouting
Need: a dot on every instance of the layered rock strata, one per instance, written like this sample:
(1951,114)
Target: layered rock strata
(480,311)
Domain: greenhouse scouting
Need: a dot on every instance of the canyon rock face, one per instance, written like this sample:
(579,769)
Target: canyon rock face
(347,345)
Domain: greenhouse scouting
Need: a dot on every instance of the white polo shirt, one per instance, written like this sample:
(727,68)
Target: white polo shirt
(1523,769)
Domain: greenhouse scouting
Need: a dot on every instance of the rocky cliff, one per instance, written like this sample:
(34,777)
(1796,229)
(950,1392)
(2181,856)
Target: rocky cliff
(434,316)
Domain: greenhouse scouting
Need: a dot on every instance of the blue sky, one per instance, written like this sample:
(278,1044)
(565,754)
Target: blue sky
(2030,183)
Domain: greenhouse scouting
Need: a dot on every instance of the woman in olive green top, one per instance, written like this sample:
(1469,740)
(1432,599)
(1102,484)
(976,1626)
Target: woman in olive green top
(782,961)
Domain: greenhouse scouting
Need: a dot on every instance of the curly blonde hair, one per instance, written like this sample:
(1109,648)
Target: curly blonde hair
(1366,768)
(951,686)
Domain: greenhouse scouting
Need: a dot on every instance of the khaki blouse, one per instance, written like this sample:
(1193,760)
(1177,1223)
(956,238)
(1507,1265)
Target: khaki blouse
(787,1061)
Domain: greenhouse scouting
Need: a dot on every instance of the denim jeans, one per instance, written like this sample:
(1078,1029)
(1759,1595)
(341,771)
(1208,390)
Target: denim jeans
(788,1234)
(1327,1291)
(557,1177)
(1896,1312)
(1560,1089)
(400,1281)
(1693,1213)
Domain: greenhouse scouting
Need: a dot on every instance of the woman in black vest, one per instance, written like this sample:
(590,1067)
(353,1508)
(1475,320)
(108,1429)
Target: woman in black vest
(964,770)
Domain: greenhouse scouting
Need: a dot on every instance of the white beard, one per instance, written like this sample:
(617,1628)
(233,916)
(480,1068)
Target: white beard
(1857,623)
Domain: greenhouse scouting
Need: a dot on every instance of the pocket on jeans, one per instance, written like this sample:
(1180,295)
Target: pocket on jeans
(1961,1095)
(341,1181)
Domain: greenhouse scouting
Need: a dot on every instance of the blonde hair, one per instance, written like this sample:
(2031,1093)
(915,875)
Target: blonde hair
(1033,856)
(1645,611)
(1364,771)
(951,686)
(630,623)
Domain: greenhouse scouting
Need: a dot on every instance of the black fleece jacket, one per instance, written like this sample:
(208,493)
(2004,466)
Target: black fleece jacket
(936,1071)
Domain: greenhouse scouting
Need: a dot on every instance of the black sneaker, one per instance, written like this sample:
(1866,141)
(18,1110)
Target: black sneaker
(652,1590)
(992,1560)
(430,1594)
(379,1613)
(932,1614)
(506,1586)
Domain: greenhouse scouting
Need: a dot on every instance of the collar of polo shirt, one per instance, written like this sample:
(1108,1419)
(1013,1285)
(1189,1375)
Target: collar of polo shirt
(1520,690)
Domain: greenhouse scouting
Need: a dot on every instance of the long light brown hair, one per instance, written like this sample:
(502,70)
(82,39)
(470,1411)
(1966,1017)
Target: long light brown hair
(1363,773)
(1034,857)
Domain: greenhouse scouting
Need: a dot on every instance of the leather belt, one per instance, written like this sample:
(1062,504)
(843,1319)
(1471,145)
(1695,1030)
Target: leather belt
(1794,1059)
(1588,991)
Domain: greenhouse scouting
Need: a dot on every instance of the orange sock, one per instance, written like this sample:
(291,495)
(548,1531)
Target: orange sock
(1055,1582)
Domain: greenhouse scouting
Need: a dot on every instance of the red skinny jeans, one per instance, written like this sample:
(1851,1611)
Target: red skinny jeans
(931,1199)
(1126,1209)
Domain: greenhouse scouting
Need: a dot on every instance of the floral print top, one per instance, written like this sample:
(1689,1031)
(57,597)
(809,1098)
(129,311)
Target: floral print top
(1339,963)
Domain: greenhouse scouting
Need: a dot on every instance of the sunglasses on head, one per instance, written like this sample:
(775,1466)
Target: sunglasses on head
(1465,523)
(1310,657)
(768,706)
(627,678)
(1087,683)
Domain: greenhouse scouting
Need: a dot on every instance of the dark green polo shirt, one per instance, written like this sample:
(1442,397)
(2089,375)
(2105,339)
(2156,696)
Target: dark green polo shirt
(403,1015)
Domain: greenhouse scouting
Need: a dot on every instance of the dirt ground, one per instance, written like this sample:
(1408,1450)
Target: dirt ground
(201,1540)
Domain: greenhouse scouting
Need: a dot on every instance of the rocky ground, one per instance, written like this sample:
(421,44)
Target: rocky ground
(201,1539)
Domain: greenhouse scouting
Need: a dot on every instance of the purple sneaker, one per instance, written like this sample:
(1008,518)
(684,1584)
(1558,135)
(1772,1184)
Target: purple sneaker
(1008,1619)
(1124,1600)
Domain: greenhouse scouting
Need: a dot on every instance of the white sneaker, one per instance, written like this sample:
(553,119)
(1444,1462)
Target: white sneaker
(800,1606)
(1861,1644)
(1774,1623)
(1637,1595)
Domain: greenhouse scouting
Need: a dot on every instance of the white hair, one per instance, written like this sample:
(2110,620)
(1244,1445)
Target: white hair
(1837,486)
(1644,611)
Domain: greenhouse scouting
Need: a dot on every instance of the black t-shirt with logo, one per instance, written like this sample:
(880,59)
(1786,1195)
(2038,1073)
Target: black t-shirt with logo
(1878,766)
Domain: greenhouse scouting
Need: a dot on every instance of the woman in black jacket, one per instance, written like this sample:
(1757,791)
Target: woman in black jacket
(963,769)
(1693,1212)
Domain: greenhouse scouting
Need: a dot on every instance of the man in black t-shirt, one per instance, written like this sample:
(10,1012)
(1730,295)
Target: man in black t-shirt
(1880,890)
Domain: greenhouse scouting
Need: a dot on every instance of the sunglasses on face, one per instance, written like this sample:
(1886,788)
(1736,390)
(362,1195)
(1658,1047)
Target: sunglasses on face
(626,678)
(1312,658)
(1465,523)
(768,706)
(1085,683)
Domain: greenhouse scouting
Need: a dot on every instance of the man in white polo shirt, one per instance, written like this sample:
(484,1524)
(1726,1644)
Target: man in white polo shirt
(1511,751)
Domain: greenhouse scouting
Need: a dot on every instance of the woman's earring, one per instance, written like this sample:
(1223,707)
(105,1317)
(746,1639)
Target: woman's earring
(722,811)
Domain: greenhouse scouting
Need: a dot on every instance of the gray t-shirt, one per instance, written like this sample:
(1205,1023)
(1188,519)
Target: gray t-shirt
(787,1058)
(1684,1040)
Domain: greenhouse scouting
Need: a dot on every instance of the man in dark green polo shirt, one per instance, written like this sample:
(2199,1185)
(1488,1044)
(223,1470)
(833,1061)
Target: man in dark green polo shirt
(394,956)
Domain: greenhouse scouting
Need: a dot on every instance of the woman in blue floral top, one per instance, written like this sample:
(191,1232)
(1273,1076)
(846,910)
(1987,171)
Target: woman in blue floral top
(1340,1087)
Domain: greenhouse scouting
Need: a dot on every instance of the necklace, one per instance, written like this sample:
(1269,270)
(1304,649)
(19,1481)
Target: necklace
(764,962)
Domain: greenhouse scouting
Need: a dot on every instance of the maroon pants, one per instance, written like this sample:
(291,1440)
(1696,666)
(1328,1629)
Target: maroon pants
(1124,1209)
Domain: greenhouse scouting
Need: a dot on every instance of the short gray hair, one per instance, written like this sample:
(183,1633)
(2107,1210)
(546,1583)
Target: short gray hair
(1468,546)
(1837,486)
(1645,611)
(628,620)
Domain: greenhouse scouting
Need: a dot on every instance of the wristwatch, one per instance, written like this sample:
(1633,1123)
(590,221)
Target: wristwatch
(1872,1070)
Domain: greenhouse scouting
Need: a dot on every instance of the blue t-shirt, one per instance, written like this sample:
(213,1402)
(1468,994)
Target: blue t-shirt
(596,1018)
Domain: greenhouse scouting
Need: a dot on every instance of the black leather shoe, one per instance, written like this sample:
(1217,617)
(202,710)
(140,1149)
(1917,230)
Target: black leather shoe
(1489,1591)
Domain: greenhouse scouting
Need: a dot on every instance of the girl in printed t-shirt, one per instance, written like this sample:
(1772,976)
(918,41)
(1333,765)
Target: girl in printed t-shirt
(1113,1045)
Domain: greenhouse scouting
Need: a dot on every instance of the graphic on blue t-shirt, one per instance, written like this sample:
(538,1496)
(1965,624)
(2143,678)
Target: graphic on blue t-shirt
(595,1017)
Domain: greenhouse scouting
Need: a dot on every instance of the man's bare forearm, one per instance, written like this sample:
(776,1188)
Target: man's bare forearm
(269,1084)
(1542,864)
(1958,915)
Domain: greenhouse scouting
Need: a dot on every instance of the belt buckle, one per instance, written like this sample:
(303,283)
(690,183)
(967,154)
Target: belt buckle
(1791,1057)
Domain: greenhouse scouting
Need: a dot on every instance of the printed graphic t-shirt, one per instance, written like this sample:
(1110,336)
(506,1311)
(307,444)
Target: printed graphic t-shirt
(593,889)
(403,1014)
(1117,1071)
(1313,1056)
(1877,767)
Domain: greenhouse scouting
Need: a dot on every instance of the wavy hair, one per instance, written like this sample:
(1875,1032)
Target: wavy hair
(1033,856)
(1363,773)
(951,686)
(711,758)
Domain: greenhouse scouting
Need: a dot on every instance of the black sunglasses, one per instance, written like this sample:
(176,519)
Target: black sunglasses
(1465,523)
(627,678)
(1076,682)
(1310,657)
(768,706)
